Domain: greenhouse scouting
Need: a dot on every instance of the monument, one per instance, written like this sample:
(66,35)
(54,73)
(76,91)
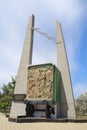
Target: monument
(44,90)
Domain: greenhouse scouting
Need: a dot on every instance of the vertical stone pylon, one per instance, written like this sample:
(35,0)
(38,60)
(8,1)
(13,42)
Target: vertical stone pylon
(67,108)
(18,108)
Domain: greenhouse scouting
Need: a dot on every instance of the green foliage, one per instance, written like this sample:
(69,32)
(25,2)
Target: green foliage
(9,88)
(81,105)
(7,95)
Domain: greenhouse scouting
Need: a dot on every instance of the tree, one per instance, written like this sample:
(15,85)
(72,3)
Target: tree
(9,88)
(81,105)
(7,96)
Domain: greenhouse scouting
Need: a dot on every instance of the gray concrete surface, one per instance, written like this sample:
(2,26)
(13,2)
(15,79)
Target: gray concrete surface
(67,107)
(18,107)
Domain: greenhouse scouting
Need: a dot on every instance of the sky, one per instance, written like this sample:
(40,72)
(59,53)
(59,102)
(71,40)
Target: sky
(14,16)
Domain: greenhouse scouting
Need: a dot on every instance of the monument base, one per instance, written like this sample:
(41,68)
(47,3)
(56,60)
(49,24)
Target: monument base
(29,119)
(59,120)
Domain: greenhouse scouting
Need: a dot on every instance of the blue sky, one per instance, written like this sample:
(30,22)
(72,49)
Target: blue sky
(14,17)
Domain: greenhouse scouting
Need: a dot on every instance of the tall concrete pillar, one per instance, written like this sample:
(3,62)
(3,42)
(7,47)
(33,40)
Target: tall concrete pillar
(18,108)
(67,108)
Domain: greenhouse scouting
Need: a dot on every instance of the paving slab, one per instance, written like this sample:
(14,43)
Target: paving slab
(6,125)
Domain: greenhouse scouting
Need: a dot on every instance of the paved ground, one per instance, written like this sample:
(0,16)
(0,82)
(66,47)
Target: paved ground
(6,125)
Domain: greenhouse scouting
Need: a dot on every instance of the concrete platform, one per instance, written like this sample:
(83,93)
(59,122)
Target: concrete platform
(31,119)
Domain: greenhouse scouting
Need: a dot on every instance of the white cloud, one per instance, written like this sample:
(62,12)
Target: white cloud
(69,10)
(44,50)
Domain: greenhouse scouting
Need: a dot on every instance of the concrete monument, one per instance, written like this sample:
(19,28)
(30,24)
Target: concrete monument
(43,91)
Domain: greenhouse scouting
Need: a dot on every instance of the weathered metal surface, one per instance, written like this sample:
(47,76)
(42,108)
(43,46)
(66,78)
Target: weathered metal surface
(40,82)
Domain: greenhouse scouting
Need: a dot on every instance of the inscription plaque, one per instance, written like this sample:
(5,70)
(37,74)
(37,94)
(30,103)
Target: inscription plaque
(19,97)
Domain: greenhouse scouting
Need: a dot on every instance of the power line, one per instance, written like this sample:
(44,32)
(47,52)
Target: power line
(45,35)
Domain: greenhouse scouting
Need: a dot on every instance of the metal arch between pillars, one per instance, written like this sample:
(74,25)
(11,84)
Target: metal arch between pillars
(46,35)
